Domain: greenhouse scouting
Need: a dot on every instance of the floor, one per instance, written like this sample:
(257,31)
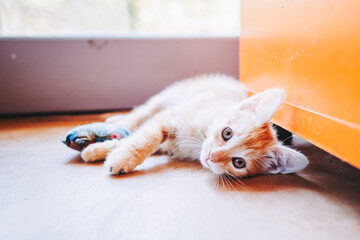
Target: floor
(47,192)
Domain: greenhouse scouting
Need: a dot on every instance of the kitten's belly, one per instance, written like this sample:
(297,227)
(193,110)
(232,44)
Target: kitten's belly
(186,150)
(188,132)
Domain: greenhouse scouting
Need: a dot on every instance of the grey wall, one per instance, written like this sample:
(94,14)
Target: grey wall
(42,75)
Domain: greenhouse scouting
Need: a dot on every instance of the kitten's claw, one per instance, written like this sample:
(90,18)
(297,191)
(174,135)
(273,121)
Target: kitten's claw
(119,173)
(120,161)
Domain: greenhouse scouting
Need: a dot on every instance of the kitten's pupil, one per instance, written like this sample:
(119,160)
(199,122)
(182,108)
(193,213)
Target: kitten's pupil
(238,162)
(226,134)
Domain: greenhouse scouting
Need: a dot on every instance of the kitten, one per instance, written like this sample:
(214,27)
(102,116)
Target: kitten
(207,118)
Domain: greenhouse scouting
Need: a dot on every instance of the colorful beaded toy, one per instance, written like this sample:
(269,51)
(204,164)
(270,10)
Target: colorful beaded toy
(80,137)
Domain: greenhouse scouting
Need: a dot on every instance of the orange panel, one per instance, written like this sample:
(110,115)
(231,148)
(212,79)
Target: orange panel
(312,50)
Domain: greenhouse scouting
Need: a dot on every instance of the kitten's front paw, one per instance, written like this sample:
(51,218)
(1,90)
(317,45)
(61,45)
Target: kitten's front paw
(121,160)
(94,152)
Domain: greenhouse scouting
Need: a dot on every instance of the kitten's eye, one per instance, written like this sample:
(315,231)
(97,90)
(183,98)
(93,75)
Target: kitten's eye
(226,134)
(238,162)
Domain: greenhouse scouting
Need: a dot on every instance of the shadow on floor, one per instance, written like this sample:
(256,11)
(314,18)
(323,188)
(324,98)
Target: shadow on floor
(78,161)
(325,175)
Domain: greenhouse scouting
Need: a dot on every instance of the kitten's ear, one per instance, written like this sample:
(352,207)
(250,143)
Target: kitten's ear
(285,160)
(264,104)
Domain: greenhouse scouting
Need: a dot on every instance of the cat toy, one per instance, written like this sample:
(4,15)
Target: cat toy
(81,136)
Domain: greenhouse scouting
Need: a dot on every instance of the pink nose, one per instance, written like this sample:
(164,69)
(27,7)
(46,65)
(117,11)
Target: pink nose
(213,157)
(208,157)
(217,156)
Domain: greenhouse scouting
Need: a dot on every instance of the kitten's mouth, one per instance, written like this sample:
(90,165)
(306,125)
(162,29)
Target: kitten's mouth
(207,159)
(215,169)
(206,162)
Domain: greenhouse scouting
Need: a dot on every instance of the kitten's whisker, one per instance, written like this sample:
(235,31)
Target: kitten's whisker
(249,189)
(260,163)
(213,181)
(183,144)
(232,179)
(200,136)
(240,183)
(222,181)
(189,143)
(216,181)
(282,141)
(229,180)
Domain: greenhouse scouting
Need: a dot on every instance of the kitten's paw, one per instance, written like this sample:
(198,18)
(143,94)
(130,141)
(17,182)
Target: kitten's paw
(94,152)
(121,160)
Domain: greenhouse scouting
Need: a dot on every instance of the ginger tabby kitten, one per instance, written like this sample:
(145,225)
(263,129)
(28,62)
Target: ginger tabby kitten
(207,118)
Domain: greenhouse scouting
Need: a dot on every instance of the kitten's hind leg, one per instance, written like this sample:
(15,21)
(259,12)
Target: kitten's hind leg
(134,149)
(138,115)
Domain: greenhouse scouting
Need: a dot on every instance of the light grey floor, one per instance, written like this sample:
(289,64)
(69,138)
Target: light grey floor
(47,192)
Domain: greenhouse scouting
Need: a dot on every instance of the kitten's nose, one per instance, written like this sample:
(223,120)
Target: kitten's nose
(217,156)
(211,157)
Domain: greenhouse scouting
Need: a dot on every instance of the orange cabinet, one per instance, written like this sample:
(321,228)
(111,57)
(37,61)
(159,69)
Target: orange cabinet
(311,49)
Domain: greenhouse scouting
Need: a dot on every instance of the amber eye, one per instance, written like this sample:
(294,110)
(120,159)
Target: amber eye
(238,162)
(226,134)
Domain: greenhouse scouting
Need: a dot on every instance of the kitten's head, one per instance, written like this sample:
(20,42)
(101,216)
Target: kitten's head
(241,142)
